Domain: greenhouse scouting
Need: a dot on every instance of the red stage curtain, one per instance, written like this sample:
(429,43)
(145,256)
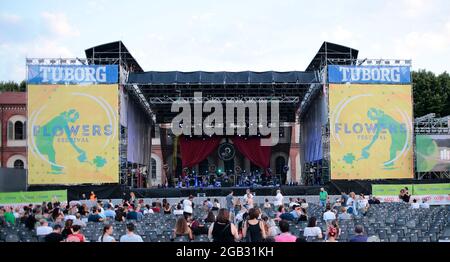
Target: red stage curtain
(251,148)
(195,150)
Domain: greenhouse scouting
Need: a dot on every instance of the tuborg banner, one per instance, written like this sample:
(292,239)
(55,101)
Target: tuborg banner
(72,74)
(369,74)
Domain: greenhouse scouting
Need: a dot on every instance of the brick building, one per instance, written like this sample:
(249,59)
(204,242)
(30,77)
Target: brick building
(13,113)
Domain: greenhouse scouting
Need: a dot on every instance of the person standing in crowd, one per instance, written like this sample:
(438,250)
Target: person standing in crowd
(43,229)
(9,216)
(312,230)
(253,229)
(182,229)
(404,195)
(229,200)
(278,199)
(248,199)
(323,197)
(332,234)
(107,234)
(223,230)
(130,236)
(67,229)
(329,215)
(344,198)
(187,206)
(285,235)
(76,236)
(359,237)
(55,235)
(133,199)
(216,205)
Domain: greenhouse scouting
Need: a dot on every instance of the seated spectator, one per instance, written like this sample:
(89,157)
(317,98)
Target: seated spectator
(78,220)
(120,214)
(178,211)
(167,209)
(76,236)
(332,234)
(210,218)
(292,202)
(134,214)
(95,217)
(344,215)
(155,207)
(303,203)
(335,227)
(281,210)
(148,210)
(303,215)
(272,229)
(216,205)
(253,229)
(107,234)
(414,204)
(329,215)
(223,230)
(359,237)
(43,229)
(67,229)
(285,235)
(55,235)
(373,200)
(182,229)
(424,203)
(267,205)
(312,230)
(131,236)
(110,213)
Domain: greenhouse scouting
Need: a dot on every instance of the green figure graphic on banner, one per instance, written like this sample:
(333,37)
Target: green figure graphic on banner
(395,129)
(57,126)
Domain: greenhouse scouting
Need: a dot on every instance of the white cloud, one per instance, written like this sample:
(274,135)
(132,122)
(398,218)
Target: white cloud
(414,8)
(10,18)
(59,25)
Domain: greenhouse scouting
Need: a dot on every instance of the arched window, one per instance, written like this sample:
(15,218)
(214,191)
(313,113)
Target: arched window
(18,130)
(153,164)
(18,164)
(280,162)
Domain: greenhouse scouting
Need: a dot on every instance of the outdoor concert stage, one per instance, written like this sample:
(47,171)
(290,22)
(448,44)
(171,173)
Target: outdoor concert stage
(333,188)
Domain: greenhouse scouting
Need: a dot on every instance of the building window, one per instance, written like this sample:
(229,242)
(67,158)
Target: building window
(17,128)
(18,164)
(153,170)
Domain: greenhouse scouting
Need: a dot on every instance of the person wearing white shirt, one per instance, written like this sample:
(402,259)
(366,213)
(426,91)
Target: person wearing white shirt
(424,204)
(312,230)
(329,216)
(278,199)
(43,229)
(187,205)
(414,204)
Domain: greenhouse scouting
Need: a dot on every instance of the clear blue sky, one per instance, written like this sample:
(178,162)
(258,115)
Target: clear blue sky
(225,35)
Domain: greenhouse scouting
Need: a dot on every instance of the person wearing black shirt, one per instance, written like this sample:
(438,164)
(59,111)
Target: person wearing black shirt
(55,236)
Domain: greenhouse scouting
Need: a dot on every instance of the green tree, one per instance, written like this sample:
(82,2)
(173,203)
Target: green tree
(431,93)
(11,86)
